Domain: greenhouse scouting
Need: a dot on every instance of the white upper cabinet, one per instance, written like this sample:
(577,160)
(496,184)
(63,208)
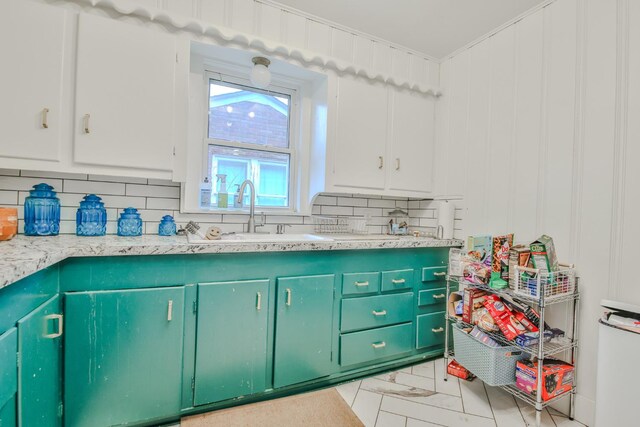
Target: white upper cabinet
(412,141)
(32,45)
(361,134)
(124,95)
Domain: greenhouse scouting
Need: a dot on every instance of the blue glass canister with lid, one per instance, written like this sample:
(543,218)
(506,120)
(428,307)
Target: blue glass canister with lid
(167,226)
(91,217)
(42,212)
(130,223)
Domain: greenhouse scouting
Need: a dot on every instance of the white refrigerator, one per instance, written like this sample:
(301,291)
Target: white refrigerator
(618,375)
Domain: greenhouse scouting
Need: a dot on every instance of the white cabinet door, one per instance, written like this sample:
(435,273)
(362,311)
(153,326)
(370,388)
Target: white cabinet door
(412,142)
(32,47)
(361,134)
(124,95)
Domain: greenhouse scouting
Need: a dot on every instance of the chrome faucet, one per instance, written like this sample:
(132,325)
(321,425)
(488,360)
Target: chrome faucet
(252,206)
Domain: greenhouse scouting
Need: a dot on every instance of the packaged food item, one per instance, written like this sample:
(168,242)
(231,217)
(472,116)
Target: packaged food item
(534,317)
(557,377)
(501,247)
(543,254)
(532,338)
(457,370)
(555,333)
(525,322)
(455,262)
(479,248)
(473,300)
(455,299)
(485,321)
(476,273)
(497,282)
(519,255)
(484,338)
(506,321)
(8,223)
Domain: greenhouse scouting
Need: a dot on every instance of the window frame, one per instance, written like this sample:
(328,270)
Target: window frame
(277,87)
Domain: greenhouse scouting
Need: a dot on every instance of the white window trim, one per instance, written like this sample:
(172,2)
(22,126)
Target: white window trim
(278,86)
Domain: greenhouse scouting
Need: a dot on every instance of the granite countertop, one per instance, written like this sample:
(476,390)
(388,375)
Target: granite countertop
(24,255)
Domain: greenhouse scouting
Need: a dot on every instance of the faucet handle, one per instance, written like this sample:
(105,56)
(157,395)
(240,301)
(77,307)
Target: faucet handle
(263,220)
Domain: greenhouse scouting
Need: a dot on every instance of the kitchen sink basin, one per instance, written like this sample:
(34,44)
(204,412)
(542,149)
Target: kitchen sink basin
(260,237)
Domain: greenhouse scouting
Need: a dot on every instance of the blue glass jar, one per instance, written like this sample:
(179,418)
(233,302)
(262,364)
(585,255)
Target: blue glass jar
(167,226)
(42,212)
(130,223)
(91,217)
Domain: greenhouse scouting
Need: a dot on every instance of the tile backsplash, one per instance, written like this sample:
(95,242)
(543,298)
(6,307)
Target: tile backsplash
(155,198)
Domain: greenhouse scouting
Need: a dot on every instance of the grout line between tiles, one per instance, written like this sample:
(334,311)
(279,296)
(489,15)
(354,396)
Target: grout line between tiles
(430,405)
(486,393)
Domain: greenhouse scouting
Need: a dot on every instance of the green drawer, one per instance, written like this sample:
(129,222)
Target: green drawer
(360,283)
(8,365)
(434,274)
(376,311)
(366,346)
(397,279)
(432,296)
(430,330)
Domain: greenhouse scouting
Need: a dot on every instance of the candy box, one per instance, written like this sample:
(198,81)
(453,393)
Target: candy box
(457,370)
(479,248)
(519,255)
(543,254)
(473,300)
(501,247)
(557,377)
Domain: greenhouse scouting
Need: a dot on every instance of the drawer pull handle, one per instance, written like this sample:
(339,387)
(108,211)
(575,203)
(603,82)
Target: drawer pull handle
(45,125)
(380,162)
(86,123)
(379,344)
(438,296)
(397,281)
(170,311)
(288,292)
(379,313)
(60,320)
(366,283)
(438,330)
(440,273)
(259,301)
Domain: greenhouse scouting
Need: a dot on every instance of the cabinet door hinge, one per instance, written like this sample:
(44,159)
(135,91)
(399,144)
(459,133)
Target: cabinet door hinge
(193,383)
(195,307)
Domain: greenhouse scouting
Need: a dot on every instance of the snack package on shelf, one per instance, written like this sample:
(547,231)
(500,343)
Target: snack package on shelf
(479,248)
(543,254)
(473,301)
(486,339)
(457,370)
(506,321)
(557,377)
(485,321)
(475,273)
(519,255)
(455,262)
(456,304)
(501,247)
(531,327)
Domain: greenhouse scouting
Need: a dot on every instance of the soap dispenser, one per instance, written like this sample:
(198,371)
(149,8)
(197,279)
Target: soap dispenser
(223,196)
(205,193)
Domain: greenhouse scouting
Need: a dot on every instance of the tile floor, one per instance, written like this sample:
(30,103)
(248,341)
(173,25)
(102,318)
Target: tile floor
(419,397)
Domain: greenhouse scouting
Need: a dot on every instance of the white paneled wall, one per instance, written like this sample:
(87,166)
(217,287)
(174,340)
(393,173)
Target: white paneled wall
(542,118)
(155,198)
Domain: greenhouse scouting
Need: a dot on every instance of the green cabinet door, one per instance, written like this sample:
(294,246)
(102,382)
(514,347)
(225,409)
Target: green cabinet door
(231,355)
(8,377)
(304,326)
(40,366)
(123,356)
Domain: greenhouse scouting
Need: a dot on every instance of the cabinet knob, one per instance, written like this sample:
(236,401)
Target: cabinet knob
(45,125)
(60,320)
(86,123)
(380,162)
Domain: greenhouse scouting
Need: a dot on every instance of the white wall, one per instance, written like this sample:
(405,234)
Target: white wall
(542,117)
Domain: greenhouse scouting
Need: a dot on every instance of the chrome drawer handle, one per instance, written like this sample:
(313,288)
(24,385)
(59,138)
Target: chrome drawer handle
(86,123)
(170,311)
(379,345)
(380,162)
(437,331)
(288,292)
(366,283)
(438,296)
(379,313)
(440,273)
(259,301)
(397,281)
(60,320)
(45,125)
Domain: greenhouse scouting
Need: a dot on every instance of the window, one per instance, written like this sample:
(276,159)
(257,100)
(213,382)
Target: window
(248,137)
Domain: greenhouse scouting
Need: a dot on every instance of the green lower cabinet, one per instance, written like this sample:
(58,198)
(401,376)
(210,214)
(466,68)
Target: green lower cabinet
(374,344)
(231,355)
(123,356)
(304,329)
(430,331)
(40,365)
(8,377)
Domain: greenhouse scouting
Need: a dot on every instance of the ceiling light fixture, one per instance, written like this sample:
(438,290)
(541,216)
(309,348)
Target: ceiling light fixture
(260,74)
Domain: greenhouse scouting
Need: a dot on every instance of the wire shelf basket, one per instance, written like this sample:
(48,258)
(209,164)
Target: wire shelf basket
(534,283)
(339,224)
